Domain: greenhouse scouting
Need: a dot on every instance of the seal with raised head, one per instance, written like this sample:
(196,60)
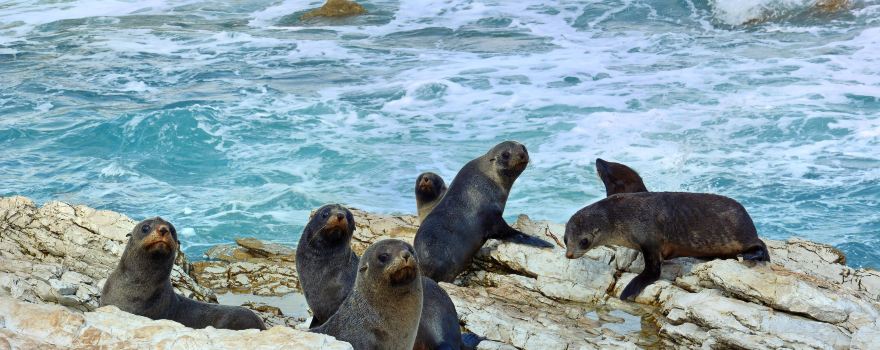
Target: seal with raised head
(325,263)
(430,188)
(665,225)
(327,268)
(384,307)
(141,284)
(619,178)
(471,213)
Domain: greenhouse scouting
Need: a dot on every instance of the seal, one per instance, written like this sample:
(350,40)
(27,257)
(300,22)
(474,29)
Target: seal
(619,178)
(665,225)
(470,213)
(384,307)
(141,284)
(327,268)
(325,263)
(430,188)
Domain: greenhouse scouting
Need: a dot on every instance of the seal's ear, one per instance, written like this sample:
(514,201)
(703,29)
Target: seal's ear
(364,267)
(602,167)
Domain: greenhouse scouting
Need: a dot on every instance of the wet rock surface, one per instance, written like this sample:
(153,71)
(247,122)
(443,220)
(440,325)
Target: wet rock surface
(336,8)
(514,296)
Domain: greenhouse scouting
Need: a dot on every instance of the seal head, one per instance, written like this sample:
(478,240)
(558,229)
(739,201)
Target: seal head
(430,188)
(619,178)
(155,238)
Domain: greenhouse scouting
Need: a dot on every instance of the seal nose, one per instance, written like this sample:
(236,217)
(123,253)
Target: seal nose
(569,255)
(163,230)
(406,255)
(340,216)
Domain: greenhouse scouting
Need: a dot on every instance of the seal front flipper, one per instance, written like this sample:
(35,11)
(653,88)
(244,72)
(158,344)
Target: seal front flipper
(650,275)
(501,230)
(469,341)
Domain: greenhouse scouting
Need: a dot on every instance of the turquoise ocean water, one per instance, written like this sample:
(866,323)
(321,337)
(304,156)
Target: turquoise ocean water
(236,119)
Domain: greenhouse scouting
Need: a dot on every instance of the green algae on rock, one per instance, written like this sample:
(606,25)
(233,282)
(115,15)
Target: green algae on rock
(336,8)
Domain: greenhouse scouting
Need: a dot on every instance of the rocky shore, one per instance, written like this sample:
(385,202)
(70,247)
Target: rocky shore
(54,260)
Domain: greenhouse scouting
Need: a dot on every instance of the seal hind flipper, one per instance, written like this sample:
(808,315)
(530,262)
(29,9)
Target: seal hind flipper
(649,275)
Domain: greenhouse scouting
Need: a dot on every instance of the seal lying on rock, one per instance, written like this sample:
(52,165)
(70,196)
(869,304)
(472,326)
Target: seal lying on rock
(430,188)
(665,225)
(325,263)
(471,212)
(383,309)
(141,284)
(327,268)
(619,178)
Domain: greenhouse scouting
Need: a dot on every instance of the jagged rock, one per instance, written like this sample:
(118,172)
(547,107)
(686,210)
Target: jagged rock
(266,250)
(32,326)
(521,297)
(63,254)
(336,8)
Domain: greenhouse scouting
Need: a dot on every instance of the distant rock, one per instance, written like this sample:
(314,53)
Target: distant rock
(336,8)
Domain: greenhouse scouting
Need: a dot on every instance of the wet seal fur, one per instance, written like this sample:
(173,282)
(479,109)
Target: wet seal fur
(141,284)
(325,263)
(430,188)
(471,213)
(619,178)
(384,307)
(665,225)
(327,268)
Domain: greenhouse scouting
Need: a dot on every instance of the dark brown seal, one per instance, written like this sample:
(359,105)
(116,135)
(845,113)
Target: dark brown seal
(325,263)
(384,307)
(471,212)
(430,188)
(619,178)
(327,268)
(141,284)
(665,225)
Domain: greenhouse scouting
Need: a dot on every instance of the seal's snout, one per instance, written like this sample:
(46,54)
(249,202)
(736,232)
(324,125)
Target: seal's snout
(163,230)
(337,220)
(406,256)
(569,255)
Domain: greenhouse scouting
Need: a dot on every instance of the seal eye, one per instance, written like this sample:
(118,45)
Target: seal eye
(325,214)
(584,243)
(505,155)
(145,228)
(383,258)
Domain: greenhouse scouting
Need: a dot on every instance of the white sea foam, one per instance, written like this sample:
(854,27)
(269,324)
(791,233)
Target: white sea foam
(782,116)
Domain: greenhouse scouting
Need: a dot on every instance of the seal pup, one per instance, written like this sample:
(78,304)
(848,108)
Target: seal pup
(665,225)
(141,284)
(619,178)
(384,307)
(327,268)
(325,263)
(430,188)
(471,213)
